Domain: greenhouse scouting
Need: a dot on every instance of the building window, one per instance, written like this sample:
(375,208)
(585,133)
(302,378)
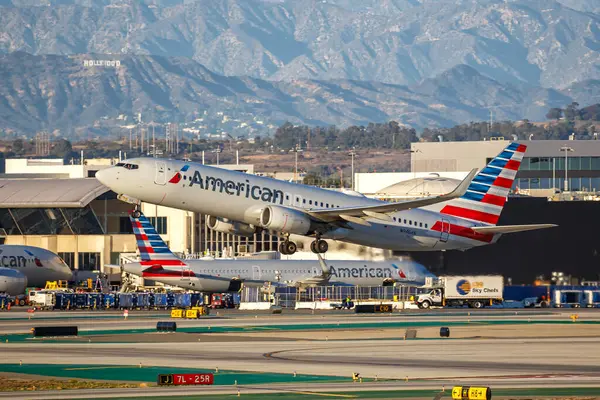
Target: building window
(69,259)
(160,224)
(89,261)
(125,225)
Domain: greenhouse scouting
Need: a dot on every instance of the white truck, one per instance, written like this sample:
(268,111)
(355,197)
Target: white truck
(475,291)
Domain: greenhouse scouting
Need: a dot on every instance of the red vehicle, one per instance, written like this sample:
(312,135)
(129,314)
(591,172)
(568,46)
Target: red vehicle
(220,300)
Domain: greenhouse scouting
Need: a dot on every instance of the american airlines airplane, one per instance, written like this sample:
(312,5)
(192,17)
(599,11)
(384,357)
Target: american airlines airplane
(241,204)
(160,264)
(27,265)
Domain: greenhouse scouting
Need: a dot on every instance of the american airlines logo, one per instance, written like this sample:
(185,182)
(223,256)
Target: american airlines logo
(232,188)
(365,272)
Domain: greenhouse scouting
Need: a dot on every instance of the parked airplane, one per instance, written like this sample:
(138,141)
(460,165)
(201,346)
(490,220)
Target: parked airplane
(160,264)
(27,265)
(242,204)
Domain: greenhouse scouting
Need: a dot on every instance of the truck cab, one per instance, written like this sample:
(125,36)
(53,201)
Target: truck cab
(433,298)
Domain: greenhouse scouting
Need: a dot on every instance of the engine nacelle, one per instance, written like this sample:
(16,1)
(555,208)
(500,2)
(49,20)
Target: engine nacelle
(287,220)
(232,227)
(12,282)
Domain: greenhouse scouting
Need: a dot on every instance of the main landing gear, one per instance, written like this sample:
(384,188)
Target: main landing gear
(319,246)
(287,248)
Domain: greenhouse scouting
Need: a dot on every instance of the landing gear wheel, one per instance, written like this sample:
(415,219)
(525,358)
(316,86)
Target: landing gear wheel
(287,248)
(290,248)
(319,246)
(322,246)
(282,248)
(313,246)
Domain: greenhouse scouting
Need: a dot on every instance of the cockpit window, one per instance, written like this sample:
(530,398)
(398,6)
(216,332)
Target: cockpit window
(127,165)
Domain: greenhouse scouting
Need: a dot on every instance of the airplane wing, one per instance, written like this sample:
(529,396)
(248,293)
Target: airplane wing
(511,228)
(355,214)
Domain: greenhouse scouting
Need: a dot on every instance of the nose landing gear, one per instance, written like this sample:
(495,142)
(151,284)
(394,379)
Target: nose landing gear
(136,213)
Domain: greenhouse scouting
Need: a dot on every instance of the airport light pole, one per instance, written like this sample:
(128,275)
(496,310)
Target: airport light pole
(413,161)
(566,149)
(352,154)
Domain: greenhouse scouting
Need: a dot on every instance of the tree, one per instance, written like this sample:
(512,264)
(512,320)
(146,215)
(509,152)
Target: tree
(18,146)
(555,113)
(62,148)
(572,111)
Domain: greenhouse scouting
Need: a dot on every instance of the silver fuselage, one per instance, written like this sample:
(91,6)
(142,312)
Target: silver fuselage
(241,197)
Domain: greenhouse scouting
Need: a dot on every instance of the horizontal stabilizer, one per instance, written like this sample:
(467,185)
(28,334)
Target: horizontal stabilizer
(511,228)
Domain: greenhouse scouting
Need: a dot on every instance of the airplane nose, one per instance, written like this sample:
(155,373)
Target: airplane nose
(102,176)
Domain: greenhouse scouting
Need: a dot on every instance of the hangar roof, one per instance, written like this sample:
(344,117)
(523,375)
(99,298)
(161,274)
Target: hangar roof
(49,193)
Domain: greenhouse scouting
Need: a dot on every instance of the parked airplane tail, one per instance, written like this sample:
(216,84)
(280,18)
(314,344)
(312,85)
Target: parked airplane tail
(488,191)
(153,250)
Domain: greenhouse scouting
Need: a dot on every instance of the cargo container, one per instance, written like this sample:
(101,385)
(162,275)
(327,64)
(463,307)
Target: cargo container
(109,300)
(142,300)
(474,291)
(64,301)
(159,300)
(182,300)
(126,301)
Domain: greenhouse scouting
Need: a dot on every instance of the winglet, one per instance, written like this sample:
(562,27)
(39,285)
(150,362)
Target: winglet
(461,189)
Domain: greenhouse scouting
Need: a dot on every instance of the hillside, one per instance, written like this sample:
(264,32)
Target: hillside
(62,94)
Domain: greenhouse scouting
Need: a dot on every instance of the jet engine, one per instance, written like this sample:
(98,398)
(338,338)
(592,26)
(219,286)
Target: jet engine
(232,227)
(12,282)
(288,220)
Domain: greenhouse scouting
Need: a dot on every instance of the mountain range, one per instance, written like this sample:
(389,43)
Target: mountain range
(66,93)
(422,62)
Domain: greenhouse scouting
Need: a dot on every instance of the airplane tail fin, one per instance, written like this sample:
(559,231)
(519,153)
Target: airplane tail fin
(486,195)
(153,250)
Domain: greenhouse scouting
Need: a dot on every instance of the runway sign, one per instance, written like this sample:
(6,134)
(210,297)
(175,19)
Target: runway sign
(471,393)
(373,308)
(185,379)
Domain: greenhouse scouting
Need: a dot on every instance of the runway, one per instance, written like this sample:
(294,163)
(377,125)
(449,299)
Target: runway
(528,350)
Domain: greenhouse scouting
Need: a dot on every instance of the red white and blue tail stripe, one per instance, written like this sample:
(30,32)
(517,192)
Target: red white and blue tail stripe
(487,193)
(153,250)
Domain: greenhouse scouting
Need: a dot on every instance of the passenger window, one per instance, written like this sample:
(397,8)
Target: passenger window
(310,202)
(420,224)
(287,197)
(321,204)
(409,222)
(303,201)
(327,205)
(405,221)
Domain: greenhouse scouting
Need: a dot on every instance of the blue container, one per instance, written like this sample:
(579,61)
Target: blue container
(182,300)
(4,301)
(143,300)
(159,300)
(197,299)
(109,300)
(126,300)
(94,300)
(64,301)
(81,300)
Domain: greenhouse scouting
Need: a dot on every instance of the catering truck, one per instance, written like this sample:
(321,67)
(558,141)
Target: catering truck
(456,291)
